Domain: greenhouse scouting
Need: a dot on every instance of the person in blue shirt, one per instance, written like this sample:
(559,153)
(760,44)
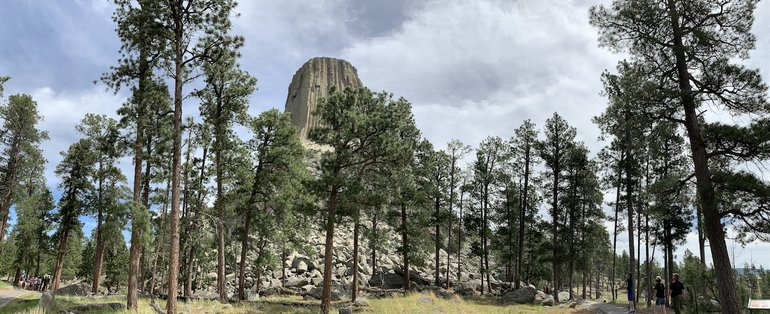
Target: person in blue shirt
(630,288)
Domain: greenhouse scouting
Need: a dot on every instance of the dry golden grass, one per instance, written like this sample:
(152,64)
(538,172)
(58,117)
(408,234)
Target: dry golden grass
(412,303)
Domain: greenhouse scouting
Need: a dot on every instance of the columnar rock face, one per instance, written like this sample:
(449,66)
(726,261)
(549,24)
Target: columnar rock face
(311,83)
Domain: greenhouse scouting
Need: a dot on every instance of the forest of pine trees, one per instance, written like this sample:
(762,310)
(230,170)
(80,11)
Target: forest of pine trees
(217,190)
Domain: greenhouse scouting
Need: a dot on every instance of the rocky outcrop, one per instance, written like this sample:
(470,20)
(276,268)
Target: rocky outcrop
(311,83)
(97,307)
(522,296)
(47,301)
(78,289)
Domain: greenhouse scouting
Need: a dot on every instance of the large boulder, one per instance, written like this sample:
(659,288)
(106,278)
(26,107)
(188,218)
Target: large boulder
(78,289)
(301,267)
(296,282)
(413,276)
(564,296)
(469,287)
(47,301)
(205,295)
(387,281)
(539,297)
(317,292)
(97,307)
(524,295)
(548,301)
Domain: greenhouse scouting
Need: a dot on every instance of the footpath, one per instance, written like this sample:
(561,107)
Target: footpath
(606,308)
(7,295)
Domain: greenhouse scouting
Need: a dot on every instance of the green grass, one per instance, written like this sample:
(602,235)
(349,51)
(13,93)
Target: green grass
(412,303)
(22,304)
(422,303)
(5,285)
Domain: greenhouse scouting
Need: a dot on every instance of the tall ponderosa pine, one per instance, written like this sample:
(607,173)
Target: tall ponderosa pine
(439,176)
(142,43)
(524,155)
(19,140)
(683,52)
(456,151)
(224,102)
(277,169)
(102,133)
(487,171)
(363,129)
(554,151)
(629,129)
(75,171)
(191,29)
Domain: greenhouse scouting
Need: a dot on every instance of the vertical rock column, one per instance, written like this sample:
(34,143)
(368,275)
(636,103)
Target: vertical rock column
(311,83)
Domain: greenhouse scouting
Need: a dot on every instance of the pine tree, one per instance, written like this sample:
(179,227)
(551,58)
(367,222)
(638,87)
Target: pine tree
(682,51)
(75,171)
(363,129)
(523,147)
(142,39)
(554,151)
(276,172)
(19,140)
(224,101)
(457,151)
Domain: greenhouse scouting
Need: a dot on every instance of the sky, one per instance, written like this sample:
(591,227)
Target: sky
(471,69)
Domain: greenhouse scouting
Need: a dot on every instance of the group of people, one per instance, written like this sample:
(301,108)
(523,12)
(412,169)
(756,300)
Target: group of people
(675,293)
(34,282)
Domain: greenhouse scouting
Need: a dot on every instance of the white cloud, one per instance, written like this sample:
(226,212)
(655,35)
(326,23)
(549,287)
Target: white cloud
(61,112)
(469,77)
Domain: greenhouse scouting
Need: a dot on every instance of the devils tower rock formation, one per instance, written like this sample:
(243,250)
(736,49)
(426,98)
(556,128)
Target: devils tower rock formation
(311,83)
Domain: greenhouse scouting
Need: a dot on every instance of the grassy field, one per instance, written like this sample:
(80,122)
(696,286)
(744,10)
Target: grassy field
(413,303)
(5,285)
(21,304)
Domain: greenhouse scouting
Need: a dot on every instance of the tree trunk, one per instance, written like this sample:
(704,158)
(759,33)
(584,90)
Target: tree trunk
(728,298)
(330,219)
(136,230)
(100,245)
(485,239)
(460,235)
(373,245)
(354,292)
(173,255)
(283,267)
(98,252)
(701,236)
(630,213)
(405,244)
(647,258)
(522,216)
(638,256)
(188,275)
(437,206)
(64,237)
(615,232)
(242,264)
(451,216)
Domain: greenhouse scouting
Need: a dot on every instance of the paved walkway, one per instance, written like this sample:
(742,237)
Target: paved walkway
(7,295)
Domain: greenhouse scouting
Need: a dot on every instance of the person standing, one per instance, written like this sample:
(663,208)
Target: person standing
(676,292)
(660,296)
(630,289)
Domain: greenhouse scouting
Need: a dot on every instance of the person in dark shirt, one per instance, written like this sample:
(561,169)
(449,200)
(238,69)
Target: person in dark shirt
(676,292)
(630,289)
(660,296)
